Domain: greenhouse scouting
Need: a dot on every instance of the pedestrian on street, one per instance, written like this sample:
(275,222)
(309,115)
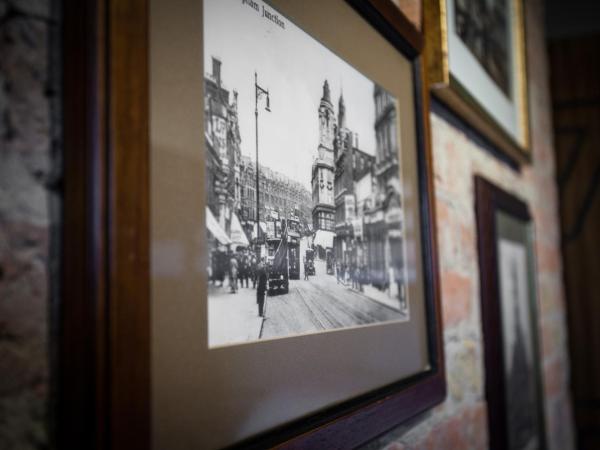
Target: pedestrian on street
(399,282)
(243,269)
(261,278)
(363,276)
(305,269)
(253,264)
(233,273)
(219,272)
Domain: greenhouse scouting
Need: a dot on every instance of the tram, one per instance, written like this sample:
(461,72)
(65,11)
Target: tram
(283,250)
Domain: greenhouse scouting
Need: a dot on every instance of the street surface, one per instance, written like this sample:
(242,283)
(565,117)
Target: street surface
(321,304)
(232,318)
(317,304)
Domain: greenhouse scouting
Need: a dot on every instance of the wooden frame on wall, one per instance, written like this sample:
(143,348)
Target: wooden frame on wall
(102,355)
(460,79)
(514,388)
(104,346)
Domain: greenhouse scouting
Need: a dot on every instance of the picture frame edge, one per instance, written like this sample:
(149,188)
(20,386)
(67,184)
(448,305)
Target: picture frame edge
(489,199)
(450,91)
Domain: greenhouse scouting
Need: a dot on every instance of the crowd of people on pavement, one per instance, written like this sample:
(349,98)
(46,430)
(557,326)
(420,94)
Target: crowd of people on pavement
(356,274)
(240,268)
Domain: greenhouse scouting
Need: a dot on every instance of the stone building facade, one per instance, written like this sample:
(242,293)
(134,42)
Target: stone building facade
(368,199)
(280,196)
(353,169)
(383,218)
(323,168)
(222,138)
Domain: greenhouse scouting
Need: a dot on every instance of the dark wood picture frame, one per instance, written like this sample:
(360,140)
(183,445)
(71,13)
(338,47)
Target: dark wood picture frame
(103,392)
(489,201)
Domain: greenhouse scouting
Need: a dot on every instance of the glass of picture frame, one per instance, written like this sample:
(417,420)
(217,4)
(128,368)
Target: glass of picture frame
(476,59)
(139,366)
(334,116)
(514,389)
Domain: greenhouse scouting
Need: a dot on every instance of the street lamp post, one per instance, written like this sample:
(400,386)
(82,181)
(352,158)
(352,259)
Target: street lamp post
(258,92)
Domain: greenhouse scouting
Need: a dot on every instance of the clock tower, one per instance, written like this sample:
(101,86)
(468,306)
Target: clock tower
(323,169)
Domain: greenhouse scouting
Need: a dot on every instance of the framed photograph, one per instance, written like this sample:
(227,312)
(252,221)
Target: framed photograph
(249,192)
(292,232)
(476,61)
(510,322)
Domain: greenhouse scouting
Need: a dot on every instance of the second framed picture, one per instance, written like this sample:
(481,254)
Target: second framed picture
(477,65)
(514,391)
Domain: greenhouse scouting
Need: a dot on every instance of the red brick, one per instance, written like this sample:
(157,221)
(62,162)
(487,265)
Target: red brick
(442,213)
(548,259)
(456,298)
(467,240)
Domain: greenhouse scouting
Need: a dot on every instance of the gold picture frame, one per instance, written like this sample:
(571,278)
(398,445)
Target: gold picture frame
(468,97)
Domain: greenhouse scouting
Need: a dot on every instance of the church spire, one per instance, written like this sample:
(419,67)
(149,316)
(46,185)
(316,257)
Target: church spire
(326,94)
(341,112)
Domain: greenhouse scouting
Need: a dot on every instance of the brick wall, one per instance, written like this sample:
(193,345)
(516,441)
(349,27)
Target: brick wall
(29,117)
(460,422)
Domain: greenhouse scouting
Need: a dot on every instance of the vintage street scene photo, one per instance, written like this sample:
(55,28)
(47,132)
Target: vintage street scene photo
(483,26)
(304,200)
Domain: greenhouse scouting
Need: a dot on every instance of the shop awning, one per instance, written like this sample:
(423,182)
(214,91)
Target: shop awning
(215,229)
(238,237)
(324,238)
(263,229)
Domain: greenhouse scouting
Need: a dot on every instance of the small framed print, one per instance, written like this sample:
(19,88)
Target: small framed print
(510,321)
(476,60)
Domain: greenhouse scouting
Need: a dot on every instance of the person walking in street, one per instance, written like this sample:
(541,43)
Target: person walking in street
(306,265)
(243,269)
(398,275)
(362,280)
(220,269)
(356,280)
(233,273)
(261,290)
(253,265)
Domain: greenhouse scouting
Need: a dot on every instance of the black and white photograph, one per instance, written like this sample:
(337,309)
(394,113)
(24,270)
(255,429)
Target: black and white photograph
(304,199)
(483,26)
(520,389)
